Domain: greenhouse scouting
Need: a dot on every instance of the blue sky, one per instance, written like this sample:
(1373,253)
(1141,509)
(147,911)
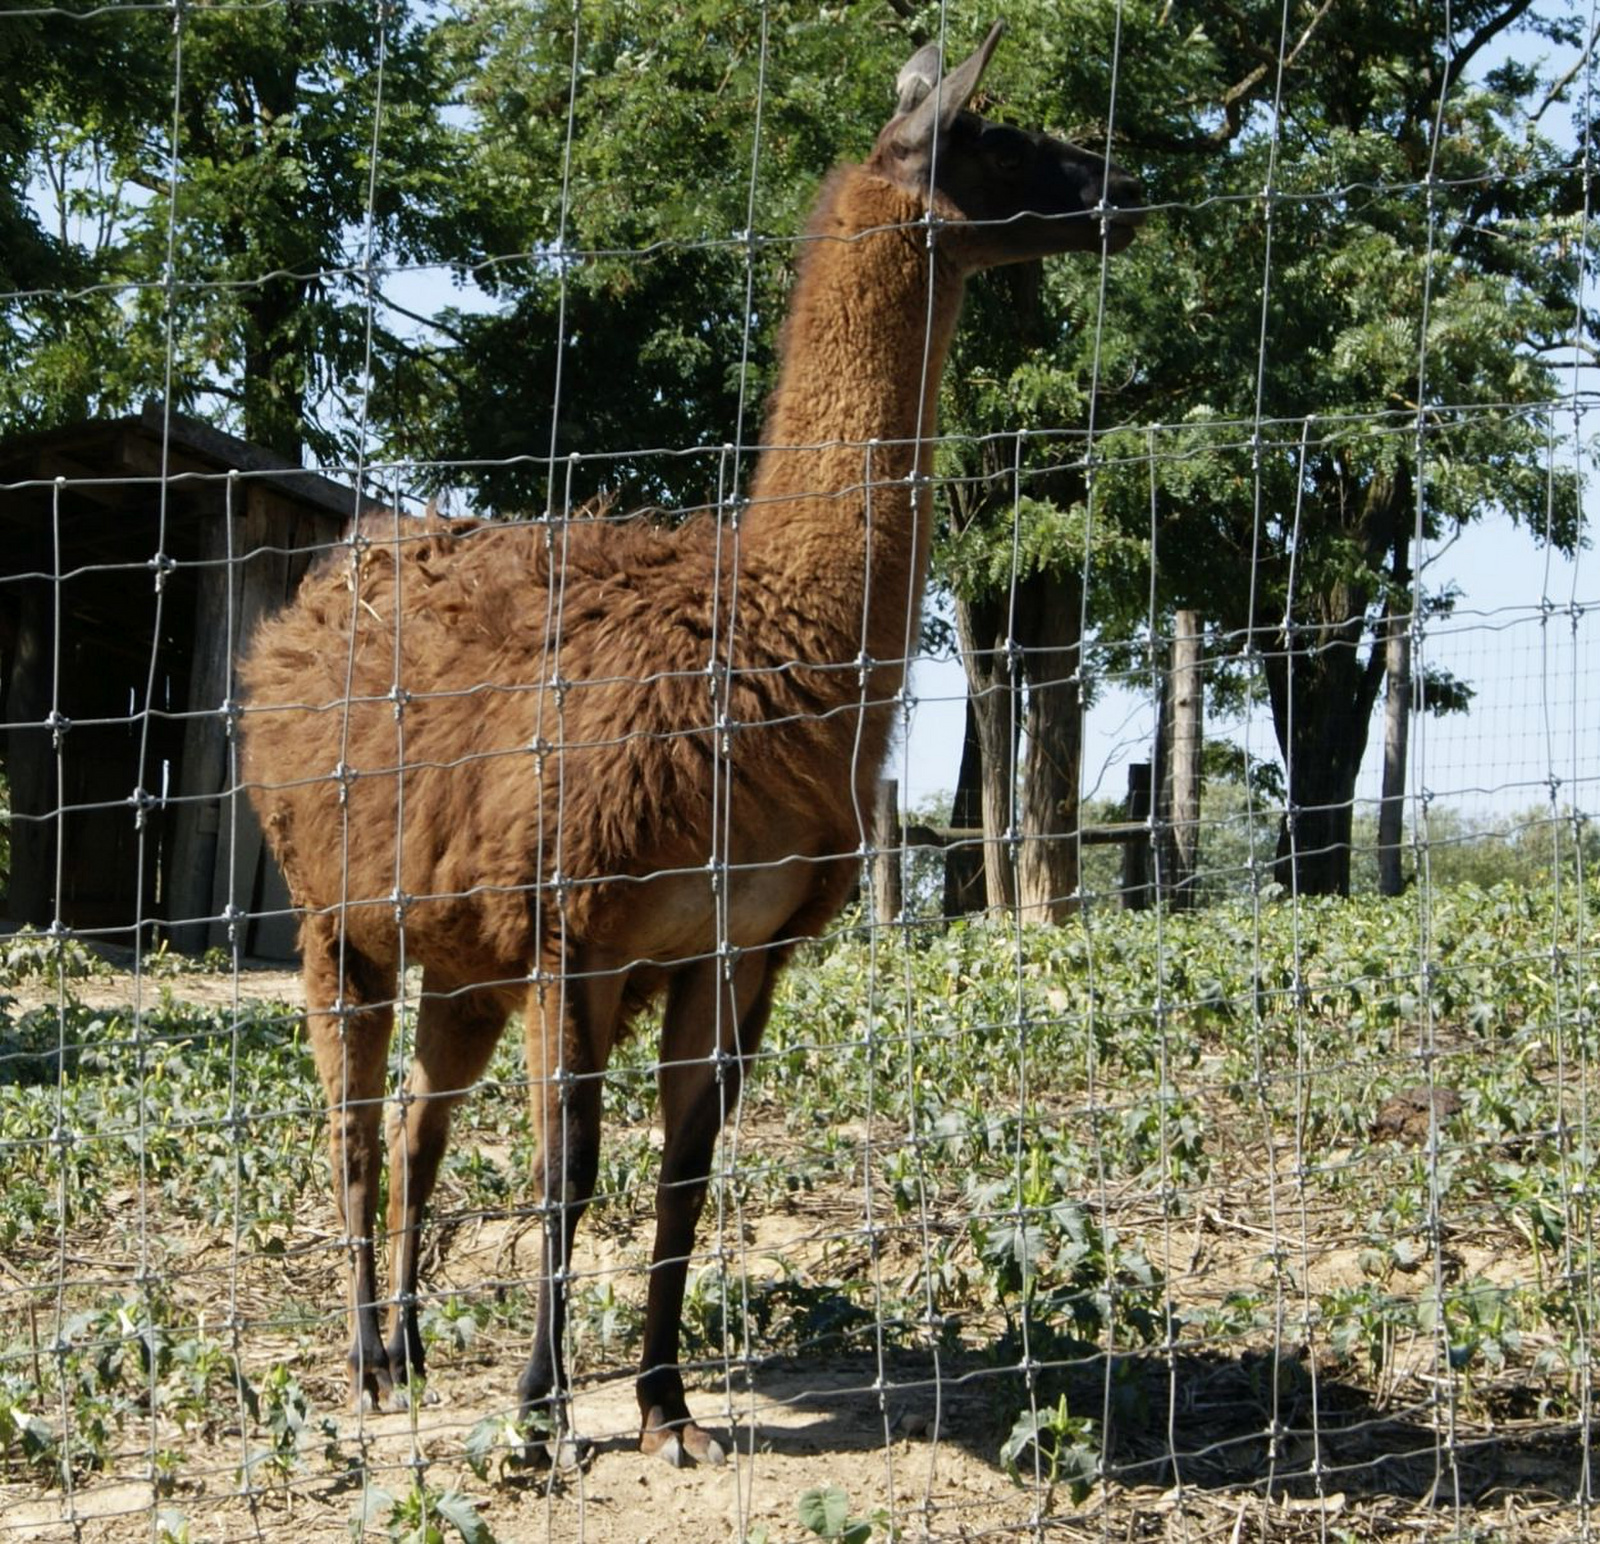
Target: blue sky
(1536,713)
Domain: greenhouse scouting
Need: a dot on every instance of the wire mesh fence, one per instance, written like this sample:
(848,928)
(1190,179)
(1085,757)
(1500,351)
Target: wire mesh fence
(413,625)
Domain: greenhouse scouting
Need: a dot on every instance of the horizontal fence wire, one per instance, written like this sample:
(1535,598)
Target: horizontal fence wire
(1053,948)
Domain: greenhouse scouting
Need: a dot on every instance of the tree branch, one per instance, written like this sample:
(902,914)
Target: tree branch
(1557,87)
(426,321)
(1480,39)
(1232,102)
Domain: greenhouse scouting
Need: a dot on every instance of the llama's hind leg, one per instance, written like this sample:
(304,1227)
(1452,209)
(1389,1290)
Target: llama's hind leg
(349,1019)
(702,1066)
(456,1036)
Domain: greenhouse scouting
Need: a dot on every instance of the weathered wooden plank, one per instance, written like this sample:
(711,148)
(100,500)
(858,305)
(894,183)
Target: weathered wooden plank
(31,757)
(261,578)
(886,840)
(203,768)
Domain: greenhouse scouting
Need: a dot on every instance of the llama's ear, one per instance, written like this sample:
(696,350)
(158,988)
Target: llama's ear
(917,77)
(927,108)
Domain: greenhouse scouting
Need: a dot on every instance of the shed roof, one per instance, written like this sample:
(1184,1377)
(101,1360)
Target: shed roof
(108,453)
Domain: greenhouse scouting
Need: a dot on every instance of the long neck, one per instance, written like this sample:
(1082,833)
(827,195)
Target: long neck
(834,508)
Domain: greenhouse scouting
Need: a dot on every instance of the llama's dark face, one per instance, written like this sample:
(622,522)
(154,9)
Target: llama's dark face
(1051,195)
(1004,194)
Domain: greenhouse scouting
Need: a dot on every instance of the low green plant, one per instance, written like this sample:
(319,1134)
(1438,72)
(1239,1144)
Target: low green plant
(452,1322)
(27,1441)
(172,1527)
(421,1515)
(601,1323)
(1362,1322)
(1479,1320)
(1052,1445)
(282,1410)
(29,955)
(825,1511)
(499,1443)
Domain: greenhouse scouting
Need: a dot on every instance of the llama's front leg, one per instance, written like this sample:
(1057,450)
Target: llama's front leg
(570,1026)
(456,1036)
(702,1067)
(349,1018)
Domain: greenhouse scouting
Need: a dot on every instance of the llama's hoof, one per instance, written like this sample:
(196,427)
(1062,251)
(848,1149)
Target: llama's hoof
(569,1452)
(561,1454)
(680,1442)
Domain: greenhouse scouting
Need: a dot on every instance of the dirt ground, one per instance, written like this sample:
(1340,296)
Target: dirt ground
(910,1439)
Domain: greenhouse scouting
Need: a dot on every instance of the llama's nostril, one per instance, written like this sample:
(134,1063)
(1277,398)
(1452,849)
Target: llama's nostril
(1125,194)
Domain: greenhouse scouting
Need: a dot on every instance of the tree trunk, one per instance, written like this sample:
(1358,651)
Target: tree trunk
(275,368)
(963,859)
(1046,622)
(981,629)
(1181,736)
(1323,693)
(279,336)
(1396,738)
(1333,692)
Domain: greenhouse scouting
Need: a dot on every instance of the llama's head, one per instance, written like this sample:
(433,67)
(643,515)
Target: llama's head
(1004,195)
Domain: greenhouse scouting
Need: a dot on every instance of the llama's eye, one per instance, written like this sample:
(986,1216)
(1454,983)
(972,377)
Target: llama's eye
(1008,160)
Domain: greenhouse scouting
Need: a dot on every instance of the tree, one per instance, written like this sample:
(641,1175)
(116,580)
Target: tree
(1386,373)
(1371,227)
(78,92)
(270,119)
(637,311)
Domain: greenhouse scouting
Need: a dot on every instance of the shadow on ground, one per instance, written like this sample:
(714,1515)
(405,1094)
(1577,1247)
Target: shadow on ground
(1233,1424)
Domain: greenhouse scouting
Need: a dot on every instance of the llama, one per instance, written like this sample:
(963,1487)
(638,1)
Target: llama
(573,767)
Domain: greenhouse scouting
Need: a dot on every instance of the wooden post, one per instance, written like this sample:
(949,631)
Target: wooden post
(1182,740)
(1396,737)
(887,895)
(272,550)
(1136,854)
(31,759)
(203,770)
(1047,615)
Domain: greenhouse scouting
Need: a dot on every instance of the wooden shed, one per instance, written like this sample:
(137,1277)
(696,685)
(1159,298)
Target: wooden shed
(136,556)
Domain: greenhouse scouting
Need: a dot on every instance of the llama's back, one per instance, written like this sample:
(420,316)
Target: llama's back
(541,728)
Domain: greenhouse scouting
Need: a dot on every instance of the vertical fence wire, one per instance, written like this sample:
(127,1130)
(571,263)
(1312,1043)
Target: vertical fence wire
(933,1191)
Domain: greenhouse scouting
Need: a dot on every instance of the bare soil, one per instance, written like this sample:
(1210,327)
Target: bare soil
(1205,1443)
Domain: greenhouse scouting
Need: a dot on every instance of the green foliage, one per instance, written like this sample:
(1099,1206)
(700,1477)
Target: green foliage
(29,955)
(1055,1446)
(658,323)
(27,1441)
(981,1058)
(825,1511)
(782,1310)
(1530,848)
(275,188)
(1377,255)
(499,1443)
(421,1515)
(453,1322)
(1019,1087)
(285,1417)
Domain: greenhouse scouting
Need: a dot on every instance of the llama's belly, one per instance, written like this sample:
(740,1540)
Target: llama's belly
(670,917)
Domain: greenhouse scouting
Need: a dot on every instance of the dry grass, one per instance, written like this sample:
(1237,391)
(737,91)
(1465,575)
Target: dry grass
(1255,1433)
